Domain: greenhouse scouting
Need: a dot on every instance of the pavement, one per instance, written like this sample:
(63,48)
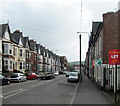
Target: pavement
(89,93)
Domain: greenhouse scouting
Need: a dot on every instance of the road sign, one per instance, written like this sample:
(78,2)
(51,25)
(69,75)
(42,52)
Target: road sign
(98,62)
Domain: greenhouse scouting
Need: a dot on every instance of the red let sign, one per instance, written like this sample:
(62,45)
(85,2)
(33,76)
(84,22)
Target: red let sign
(114,56)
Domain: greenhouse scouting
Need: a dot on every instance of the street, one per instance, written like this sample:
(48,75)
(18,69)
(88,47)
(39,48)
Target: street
(54,91)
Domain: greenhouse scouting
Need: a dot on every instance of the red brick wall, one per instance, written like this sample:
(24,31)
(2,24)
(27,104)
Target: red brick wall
(110,34)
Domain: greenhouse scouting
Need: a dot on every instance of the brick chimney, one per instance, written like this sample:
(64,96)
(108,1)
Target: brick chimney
(17,31)
(31,40)
(107,15)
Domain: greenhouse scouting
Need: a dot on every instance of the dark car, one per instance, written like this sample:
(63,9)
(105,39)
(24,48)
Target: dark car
(4,80)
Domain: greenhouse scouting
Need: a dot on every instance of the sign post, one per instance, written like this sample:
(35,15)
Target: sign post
(98,62)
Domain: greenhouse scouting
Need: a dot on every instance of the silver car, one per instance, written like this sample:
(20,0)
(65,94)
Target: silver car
(73,77)
(17,77)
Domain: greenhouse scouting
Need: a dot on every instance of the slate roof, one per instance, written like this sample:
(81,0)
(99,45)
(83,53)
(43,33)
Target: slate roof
(3,29)
(38,47)
(95,27)
(32,45)
(15,37)
(25,40)
(41,49)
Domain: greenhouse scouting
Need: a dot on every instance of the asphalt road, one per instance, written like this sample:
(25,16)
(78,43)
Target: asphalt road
(54,91)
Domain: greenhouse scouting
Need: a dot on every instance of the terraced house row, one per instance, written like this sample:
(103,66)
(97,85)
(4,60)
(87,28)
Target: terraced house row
(105,36)
(21,54)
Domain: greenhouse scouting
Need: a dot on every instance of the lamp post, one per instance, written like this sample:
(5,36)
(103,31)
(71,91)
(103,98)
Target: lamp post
(80,52)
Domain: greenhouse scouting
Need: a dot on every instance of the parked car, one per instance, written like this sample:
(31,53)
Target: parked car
(73,77)
(67,74)
(38,75)
(31,76)
(79,75)
(61,72)
(56,73)
(77,71)
(17,77)
(47,75)
(4,80)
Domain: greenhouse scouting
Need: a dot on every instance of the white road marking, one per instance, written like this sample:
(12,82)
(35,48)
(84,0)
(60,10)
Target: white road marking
(36,85)
(74,94)
(14,93)
(28,81)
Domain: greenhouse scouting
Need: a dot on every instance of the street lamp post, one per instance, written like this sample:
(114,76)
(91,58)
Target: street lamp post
(80,52)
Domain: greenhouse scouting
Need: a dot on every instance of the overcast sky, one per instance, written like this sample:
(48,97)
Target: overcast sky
(55,23)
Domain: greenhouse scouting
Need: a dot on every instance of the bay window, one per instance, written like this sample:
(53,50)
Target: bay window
(11,65)
(6,63)
(11,49)
(20,53)
(20,65)
(6,48)
(23,65)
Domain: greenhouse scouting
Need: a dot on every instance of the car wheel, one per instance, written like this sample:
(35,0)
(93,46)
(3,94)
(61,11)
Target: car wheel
(19,81)
(8,82)
(33,78)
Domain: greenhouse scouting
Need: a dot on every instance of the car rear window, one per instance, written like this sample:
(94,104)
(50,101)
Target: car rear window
(29,74)
(73,74)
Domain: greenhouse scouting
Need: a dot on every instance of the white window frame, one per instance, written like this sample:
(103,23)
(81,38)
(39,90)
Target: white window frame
(11,49)
(0,63)
(29,66)
(11,65)
(6,64)
(6,48)
(21,51)
(0,45)
(20,65)
(23,65)
(15,51)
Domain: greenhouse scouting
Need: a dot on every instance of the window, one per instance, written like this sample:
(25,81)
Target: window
(20,53)
(11,49)
(6,48)
(20,65)
(100,43)
(29,66)
(0,63)
(11,65)
(35,57)
(7,36)
(6,64)
(24,53)
(29,55)
(23,65)
(0,46)
(15,51)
